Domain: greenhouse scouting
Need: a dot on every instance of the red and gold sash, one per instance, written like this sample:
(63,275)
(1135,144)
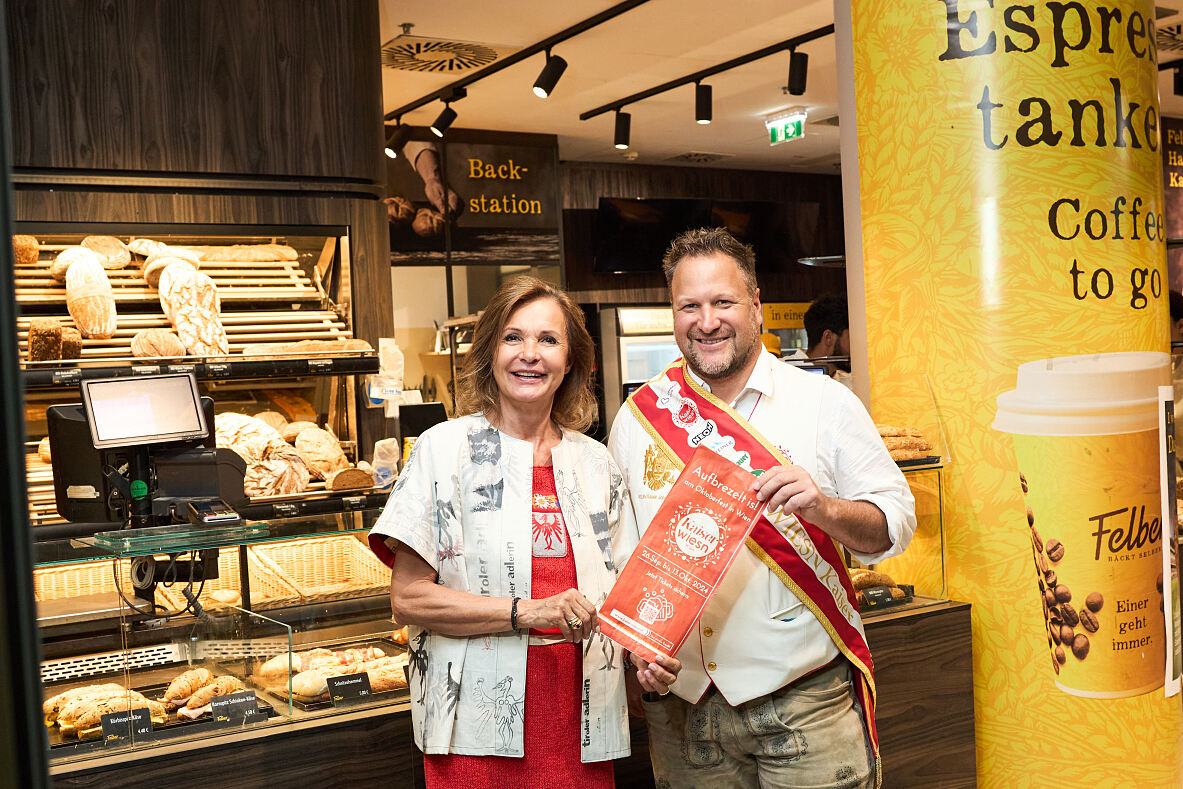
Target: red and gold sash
(680,415)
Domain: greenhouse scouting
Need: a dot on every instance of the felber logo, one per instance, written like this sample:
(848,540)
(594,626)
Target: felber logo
(659,471)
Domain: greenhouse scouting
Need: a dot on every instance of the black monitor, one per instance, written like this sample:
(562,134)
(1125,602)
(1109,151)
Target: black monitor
(82,491)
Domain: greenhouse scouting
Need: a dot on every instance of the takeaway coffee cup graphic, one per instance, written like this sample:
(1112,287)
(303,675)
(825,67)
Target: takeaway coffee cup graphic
(1086,441)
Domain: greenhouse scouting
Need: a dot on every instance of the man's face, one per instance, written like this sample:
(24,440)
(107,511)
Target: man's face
(716,320)
(842,346)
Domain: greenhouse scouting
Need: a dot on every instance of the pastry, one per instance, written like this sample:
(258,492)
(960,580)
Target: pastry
(399,211)
(156,343)
(428,222)
(113,251)
(45,339)
(864,579)
(221,686)
(224,597)
(68,257)
(89,298)
(321,451)
(25,249)
(71,343)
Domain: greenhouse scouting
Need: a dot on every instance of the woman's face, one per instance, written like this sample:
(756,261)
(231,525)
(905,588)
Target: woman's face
(531,357)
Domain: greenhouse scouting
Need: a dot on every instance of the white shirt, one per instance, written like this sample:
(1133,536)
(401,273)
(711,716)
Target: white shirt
(754,635)
(463,504)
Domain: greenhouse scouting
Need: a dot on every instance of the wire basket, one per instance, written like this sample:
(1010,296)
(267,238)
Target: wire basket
(62,581)
(326,568)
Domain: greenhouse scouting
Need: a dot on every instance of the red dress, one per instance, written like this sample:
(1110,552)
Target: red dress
(554,676)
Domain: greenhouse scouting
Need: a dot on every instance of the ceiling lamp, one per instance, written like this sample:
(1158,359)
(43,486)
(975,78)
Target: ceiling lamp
(441,123)
(702,104)
(620,139)
(397,139)
(554,68)
(798,70)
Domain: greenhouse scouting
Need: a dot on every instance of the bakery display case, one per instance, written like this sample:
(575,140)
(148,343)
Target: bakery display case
(171,636)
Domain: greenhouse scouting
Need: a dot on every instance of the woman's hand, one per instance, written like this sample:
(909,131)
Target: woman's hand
(569,611)
(656,677)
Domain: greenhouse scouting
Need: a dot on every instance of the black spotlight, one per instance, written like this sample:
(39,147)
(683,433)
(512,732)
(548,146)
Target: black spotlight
(1178,91)
(441,124)
(702,104)
(798,68)
(397,139)
(554,68)
(622,124)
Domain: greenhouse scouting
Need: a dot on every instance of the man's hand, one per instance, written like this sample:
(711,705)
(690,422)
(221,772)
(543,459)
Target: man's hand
(859,525)
(447,204)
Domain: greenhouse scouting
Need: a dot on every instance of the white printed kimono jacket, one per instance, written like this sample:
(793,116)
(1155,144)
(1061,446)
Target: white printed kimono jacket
(463,503)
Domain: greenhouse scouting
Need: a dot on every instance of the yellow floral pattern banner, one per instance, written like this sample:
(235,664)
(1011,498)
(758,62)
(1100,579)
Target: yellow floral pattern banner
(1011,198)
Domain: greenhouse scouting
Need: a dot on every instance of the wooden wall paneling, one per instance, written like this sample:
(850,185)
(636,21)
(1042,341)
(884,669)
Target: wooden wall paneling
(815,203)
(242,87)
(365,216)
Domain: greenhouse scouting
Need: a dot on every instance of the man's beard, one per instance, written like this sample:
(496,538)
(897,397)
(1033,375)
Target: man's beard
(725,367)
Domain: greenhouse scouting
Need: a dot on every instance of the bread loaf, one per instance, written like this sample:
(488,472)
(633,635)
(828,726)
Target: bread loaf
(248,253)
(88,297)
(293,429)
(190,301)
(155,265)
(147,247)
(43,450)
(321,451)
(428,223)
(45,340)
(156,343)
(68,256)
(273,467)
(25,250)
(305,346)
(71,343)
(273,418)
(399,211)
(114,252)
(349,479)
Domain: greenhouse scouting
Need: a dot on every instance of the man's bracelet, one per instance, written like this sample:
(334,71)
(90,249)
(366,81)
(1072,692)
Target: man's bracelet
(513,615)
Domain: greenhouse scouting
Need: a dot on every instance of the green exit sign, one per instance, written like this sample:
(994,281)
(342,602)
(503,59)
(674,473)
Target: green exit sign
(786,129)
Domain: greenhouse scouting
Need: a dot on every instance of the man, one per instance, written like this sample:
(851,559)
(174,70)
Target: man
(827,330)
(775,690)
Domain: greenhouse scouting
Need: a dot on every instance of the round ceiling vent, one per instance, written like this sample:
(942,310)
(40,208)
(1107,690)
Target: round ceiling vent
(422,54)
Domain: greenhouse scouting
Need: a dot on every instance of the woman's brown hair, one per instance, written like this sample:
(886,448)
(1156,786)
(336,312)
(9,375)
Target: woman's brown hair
(476,389)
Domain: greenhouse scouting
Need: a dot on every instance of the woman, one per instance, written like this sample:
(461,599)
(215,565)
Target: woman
(500,534)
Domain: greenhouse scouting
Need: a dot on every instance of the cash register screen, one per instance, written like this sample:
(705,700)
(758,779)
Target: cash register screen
(143,410)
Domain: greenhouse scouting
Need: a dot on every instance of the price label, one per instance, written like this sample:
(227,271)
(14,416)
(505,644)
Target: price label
(351,503)
(877,595)
(182,368)
(217,370)
(319,365)
(285,510)
(238,707)
(349,686)
(67,377)
(146,369)
(122,727)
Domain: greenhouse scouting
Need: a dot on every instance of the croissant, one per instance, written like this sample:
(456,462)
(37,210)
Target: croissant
(187,684)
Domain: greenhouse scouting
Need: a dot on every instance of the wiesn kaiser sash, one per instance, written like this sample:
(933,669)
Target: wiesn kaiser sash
(680,416)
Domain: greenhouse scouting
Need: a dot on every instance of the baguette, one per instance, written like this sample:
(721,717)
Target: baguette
(305,346)
(248,253)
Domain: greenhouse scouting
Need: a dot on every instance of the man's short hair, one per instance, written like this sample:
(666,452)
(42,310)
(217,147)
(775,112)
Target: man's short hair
(826,312)
(707,241)
(1176,305)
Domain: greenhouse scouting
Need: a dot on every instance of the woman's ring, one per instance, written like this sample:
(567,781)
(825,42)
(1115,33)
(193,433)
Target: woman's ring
(575,622)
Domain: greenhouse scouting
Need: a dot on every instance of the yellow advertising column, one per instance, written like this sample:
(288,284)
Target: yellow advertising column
(1012,243)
